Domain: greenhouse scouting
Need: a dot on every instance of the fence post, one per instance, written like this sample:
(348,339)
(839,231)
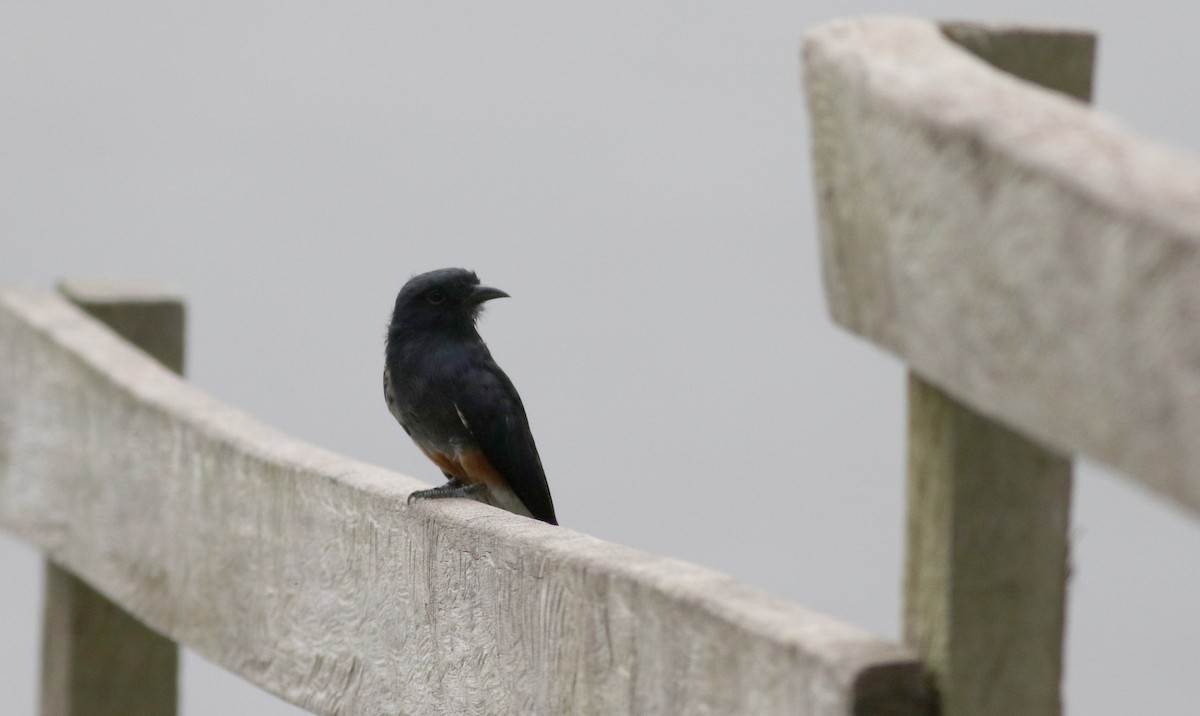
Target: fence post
(988,509)
(97,660)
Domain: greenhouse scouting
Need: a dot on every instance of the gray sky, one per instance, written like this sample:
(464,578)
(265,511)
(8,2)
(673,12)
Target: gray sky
(636,175)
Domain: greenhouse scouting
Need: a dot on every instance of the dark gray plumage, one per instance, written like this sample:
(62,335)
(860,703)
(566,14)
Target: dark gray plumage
(461,410)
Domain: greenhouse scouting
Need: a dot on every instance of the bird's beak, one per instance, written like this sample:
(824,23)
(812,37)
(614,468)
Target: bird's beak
(479,294)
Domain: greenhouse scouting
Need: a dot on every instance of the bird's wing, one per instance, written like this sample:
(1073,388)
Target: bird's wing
(491,409)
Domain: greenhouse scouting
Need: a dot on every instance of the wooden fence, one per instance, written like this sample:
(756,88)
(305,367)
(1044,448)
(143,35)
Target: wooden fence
(168,518)
(1036,265)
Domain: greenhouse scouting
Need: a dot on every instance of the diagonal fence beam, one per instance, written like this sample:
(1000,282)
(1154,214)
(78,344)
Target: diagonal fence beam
(1026,254)
(305,573)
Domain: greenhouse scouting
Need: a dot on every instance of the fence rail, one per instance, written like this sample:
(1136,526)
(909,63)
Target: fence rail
(1024,252)
(305,572)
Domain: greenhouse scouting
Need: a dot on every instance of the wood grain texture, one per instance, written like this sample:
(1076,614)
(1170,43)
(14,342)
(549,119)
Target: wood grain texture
(307,574)
(1025,253)
(97,659)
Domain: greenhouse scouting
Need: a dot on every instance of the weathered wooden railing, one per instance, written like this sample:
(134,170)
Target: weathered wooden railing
(1037,266)
(306,573)
(1038,269)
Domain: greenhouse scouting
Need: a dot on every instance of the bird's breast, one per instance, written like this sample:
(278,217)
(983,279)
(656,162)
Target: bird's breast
(420,395)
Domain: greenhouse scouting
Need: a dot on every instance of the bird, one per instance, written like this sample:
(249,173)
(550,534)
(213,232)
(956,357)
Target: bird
(443,387)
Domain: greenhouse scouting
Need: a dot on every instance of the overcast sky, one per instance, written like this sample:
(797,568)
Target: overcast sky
(636,175)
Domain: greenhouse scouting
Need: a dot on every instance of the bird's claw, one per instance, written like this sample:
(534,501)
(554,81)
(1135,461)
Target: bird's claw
(454,488)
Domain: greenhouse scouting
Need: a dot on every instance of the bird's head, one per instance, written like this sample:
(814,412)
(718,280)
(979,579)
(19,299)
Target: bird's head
(448,298)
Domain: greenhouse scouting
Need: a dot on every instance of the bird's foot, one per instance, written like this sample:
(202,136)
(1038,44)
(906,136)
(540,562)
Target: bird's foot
(453,488)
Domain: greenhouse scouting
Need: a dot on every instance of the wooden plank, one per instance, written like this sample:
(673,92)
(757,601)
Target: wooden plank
(1023,252)
(306,573)
(989,510)
(148,315)
(97,659)
(1061,60)
(986,567)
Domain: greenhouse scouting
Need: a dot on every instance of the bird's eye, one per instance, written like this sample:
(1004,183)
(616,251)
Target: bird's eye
(435,296)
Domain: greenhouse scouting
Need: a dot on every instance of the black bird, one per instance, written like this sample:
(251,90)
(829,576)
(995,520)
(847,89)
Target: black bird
(441,384)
